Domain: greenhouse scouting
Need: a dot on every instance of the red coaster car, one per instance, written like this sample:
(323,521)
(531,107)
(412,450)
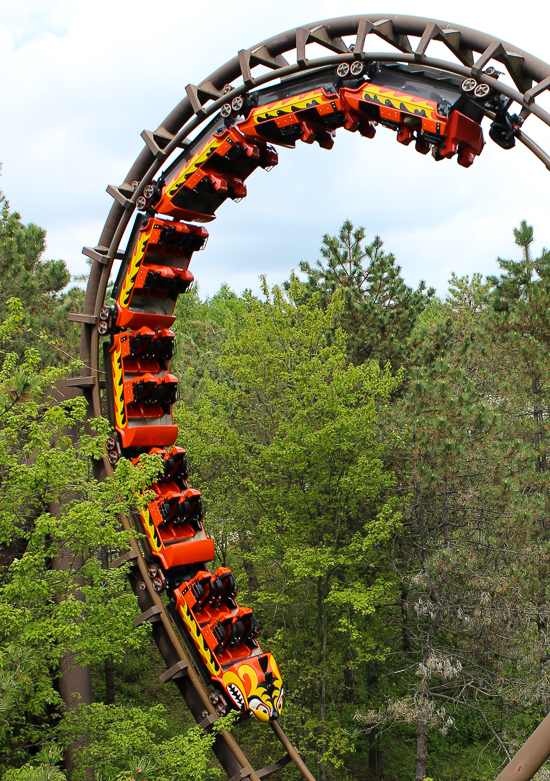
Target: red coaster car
(199,182)
(155,271)
(225,636)
(173,524)
(141,390)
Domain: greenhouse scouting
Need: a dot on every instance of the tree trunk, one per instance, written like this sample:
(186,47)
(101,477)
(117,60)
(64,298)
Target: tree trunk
(252,578)
(75,681)
(421,748)
(541,463)
(375,757)
(405,633)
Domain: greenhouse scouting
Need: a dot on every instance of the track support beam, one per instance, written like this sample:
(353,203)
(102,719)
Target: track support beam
(176,671)
(151,615)
(531,756)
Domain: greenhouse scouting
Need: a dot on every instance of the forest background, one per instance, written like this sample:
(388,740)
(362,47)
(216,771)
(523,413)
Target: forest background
(374,464)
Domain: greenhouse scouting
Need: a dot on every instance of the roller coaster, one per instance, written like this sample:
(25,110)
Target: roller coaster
(201,155)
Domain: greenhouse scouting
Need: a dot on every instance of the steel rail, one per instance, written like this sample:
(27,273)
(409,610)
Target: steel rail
(200,104)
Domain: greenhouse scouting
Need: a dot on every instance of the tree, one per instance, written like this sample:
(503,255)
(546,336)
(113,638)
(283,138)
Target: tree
(40,286)
(135,744)
(40,619)
(379,310)
(201,329)
(51,503)
(473,556)
(286,446)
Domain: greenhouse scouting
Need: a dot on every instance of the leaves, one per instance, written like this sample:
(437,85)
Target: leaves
(379,310)
(289,455)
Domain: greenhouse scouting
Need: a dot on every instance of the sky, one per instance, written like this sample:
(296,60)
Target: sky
(80,81)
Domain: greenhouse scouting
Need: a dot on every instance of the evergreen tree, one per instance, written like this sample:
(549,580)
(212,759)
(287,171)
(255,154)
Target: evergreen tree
(40,285)
(474,555)
(380,310)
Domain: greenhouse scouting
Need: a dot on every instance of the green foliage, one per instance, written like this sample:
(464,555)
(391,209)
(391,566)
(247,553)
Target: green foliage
(201,329)
(134,743)
(40,286)
(288,453)
(48,758)
(474,559)
(379,310)
(389,528)
(56,521)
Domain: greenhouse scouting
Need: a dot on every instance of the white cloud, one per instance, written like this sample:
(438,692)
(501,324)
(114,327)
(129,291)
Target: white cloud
(82,81)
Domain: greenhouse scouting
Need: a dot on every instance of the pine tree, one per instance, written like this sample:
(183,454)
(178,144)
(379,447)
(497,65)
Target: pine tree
(520,384)
(474,561)
(40,285)
(380,310)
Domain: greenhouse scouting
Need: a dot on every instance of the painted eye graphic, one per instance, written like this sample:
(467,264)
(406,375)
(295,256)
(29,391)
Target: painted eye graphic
(261,711)
(280,701)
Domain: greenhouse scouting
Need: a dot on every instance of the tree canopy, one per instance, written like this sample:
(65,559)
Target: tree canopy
(374,465)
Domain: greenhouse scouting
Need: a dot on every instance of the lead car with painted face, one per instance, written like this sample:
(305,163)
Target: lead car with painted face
(224,635)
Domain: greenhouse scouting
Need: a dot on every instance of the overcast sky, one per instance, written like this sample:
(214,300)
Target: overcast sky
(80,81)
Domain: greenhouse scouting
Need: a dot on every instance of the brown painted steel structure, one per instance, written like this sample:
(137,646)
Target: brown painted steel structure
(471,52)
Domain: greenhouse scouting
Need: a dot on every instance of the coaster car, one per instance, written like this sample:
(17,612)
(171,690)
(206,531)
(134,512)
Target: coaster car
(200,181)
(175,468)
(421,107)
(225,636)
(140,389)
(173,525)
(155,271)
(256,685)
(302,108)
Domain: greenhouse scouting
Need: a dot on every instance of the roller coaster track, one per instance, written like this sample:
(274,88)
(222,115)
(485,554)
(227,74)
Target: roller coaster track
(219,133)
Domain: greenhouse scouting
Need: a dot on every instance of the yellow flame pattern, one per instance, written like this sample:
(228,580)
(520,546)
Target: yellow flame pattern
(200,157)
(288,105)
(134,267)
(195,632)
(259,700)
(151,530)
(118,388)
(373,93)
